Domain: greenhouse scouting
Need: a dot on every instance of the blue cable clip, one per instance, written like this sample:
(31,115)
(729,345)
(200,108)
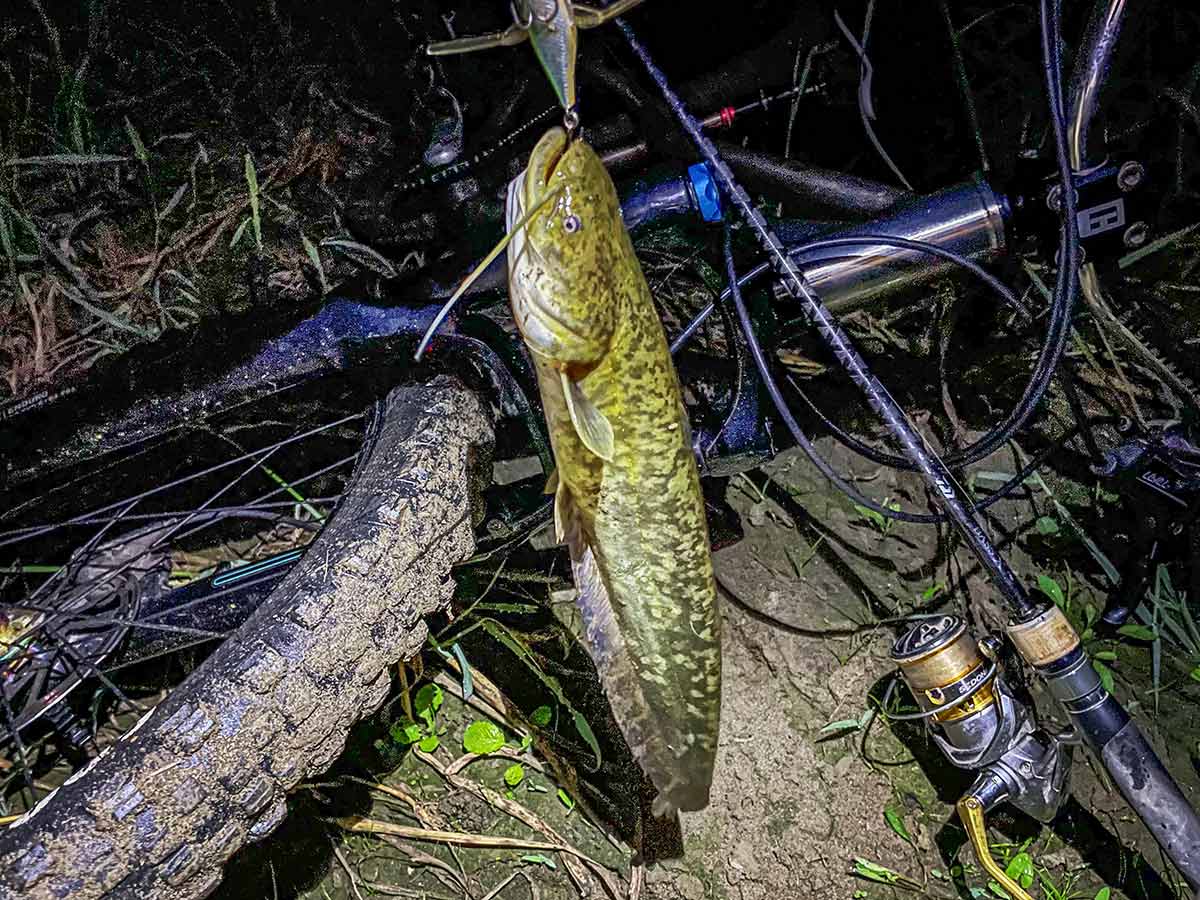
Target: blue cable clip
(704,187)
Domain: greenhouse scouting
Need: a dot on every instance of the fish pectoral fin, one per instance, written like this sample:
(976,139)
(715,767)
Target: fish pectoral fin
(591,425)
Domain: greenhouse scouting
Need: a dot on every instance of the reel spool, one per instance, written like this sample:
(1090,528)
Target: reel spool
(951,676)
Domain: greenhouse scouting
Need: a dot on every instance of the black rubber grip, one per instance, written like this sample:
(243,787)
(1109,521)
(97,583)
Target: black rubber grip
(1143,781)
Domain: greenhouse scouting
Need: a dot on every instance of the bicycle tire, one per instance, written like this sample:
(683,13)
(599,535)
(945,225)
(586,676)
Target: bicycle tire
(207,770)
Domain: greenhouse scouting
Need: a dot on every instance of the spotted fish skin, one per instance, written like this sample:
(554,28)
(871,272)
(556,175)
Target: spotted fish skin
(628,500)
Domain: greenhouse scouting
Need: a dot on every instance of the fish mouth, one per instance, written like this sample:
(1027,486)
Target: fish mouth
(544,161)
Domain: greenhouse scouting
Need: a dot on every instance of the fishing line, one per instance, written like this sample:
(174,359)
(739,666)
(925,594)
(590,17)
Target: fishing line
(464,165)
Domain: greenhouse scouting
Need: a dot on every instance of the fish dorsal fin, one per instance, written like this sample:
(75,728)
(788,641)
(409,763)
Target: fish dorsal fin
(593,428)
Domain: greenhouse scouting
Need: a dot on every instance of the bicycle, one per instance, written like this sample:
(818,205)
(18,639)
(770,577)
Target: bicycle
(403,517)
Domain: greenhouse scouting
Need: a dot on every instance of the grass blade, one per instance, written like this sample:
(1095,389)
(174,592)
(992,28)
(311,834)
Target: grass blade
(255,215)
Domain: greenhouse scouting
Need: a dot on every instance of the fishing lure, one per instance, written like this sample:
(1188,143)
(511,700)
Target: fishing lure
(552,27)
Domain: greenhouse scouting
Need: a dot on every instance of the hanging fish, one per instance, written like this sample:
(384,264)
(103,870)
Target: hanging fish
(627,490)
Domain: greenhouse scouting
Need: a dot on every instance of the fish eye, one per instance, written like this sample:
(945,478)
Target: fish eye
(571,224)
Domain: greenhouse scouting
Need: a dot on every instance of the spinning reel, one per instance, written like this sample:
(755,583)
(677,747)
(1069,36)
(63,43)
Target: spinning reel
(981,725)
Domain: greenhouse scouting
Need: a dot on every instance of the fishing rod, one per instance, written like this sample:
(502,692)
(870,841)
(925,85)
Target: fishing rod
(979,723)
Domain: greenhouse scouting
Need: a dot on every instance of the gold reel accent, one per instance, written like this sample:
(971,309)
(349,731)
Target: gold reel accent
(929,674)
(970,811)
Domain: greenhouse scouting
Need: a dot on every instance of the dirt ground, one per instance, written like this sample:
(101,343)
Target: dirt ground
(813,790)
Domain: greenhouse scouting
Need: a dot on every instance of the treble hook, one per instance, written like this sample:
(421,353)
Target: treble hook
(549,13)
(526,24)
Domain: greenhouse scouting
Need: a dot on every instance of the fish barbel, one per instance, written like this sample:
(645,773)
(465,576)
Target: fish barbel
(627,500)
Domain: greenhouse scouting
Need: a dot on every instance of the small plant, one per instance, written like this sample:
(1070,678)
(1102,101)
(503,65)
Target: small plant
(483,737)
(932,592)
(1047,526)
(1052,589)
(425,705)
(895,821)
(1022,868)
(255,217)
(843,727)
(518,646)
(873,871)
(878,520)
(799,563)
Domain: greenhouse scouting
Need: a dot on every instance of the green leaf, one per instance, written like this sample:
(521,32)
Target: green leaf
(513,774)
(1105,673)
(585,732)
(429,743)
(525,608)
(428,701)
(1020,869)
(522,651)
(875,518)
(896,823)
(315,258)
(998,891)
(541,716)
(1103,894)
(405,732)
(468,684)
(839,726)
(1195,674)
(932,591)
(540,860)
(252,184)
(139,148)
(1106,655)
(1052,589)
(566,799)
(1047,525)
(241,229)
(483,737)
(1138,632)
(874,872)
